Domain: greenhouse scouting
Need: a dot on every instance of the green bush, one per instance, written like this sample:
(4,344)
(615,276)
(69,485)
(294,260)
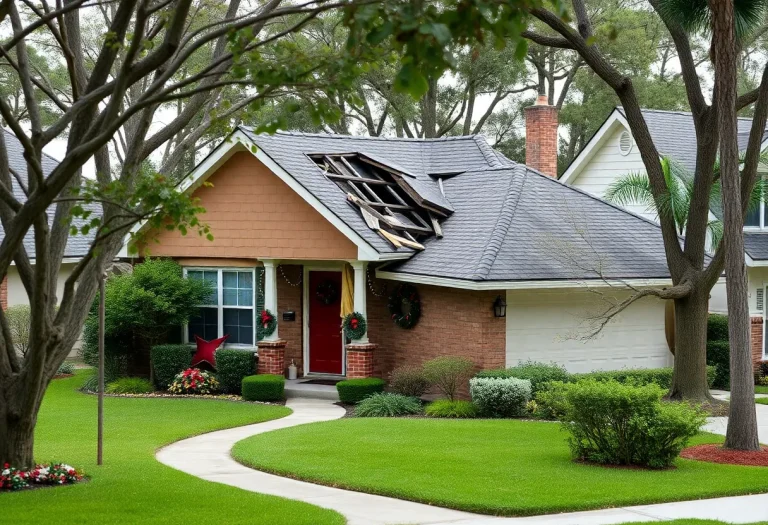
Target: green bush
(353,391)
(91,384)
(550,401)
(19,317)
(717,327)
(451,409)
(537,373)
(263,387)
(409,381)
(168,361)
(638,376)
(719,356)
(130,385)
(387,405)
(231,367)
(448,374)
(500,397)
(623,424)
(66,368)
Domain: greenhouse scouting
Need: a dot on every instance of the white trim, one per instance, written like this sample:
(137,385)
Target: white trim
(517,285)
(765,315)
(319,267)
(239,141)
(594,145)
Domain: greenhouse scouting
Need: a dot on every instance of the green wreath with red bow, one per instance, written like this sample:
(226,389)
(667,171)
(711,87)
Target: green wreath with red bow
(267,324)
(354,325)
(405,306)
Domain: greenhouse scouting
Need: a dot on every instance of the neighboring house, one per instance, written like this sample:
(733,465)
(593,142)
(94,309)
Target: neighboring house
(468,228)
(612,153)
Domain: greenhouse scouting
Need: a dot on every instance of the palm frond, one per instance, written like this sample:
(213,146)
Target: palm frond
(632,188)
(715,229)
(695,15)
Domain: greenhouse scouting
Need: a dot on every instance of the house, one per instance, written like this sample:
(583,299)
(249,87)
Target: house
(611,153)
(503,262)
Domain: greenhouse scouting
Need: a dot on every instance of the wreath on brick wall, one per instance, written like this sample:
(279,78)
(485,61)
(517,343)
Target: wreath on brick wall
(405,306)
(354,325)
(267,324)
(327,292)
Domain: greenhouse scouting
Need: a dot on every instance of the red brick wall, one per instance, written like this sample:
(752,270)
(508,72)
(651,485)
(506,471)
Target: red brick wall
(541,137)
(453,322)
(4,293)
(289,298)
(757,340)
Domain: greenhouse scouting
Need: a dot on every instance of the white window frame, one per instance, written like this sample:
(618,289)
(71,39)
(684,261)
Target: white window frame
(221,306)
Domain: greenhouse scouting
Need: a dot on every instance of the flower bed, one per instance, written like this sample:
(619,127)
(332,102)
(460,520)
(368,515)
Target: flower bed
(41,475)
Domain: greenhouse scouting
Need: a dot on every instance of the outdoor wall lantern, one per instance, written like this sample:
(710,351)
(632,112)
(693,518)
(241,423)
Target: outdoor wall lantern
(499,307)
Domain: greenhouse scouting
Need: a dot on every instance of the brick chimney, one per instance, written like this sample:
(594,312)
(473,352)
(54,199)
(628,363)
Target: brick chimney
(541,137)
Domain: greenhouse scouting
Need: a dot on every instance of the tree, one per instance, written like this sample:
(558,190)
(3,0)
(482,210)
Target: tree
(152,54)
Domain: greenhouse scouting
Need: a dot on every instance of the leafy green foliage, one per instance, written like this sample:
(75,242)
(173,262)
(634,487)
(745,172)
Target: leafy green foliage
(695,15)
(627,425)
(387,405)
(719,357)
(66,368)
(263,387)
(231,367)
(18,317)
(449,374)
(536,372)
(168,361)
(550,401)
(500,397)
(717,327)
(130,385)
(353,391)
(409,381)
(638,376)
(447,408)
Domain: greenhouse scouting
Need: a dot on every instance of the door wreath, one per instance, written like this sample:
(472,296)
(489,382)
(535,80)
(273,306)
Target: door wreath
(267,324)
(327,292)
(354,325)
(404,306)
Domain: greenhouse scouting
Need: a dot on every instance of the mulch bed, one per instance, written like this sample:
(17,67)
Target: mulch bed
(717,454)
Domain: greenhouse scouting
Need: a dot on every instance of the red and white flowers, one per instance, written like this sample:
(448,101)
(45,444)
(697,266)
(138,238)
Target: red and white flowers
(53,474)
(194,381)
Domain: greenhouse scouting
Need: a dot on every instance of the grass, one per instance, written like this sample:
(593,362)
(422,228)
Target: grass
(761,400)
(503,467)
(761,389)
(695,522)
(132,486)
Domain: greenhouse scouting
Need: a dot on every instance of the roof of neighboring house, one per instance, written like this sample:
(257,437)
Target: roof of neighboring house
(77,245)
(756,245)
(508,222)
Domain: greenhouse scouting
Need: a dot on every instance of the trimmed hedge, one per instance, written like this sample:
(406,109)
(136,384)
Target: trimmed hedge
(352,391)
(537,373)
(638,376)
(719,356)
(717,327)
(263,387)
(168,361)
(231,367)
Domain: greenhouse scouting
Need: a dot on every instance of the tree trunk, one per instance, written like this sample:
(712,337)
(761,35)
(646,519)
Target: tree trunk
(429,111)
(742,421)
(689,379)
(17,435)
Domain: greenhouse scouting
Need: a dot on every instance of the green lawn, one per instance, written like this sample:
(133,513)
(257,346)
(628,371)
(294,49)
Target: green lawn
(504,467)
(132,487)
(694,522)
(761,389)
(761,400)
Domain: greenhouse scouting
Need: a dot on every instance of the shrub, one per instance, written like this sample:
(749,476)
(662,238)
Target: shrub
(550,402)
(168,361)
(451,409)
(409,381)
(65,368)
(499,397)
(194,381)
(263,387)
(537,373)
(231,367)
(130,385)
(353,391)
(638,376)
(387,405)
(717,327)
(47,474)
(621,424)
(18,317)
(91,384)
(448,373)
(719,356)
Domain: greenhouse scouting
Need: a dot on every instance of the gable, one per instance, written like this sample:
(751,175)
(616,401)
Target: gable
(254,214)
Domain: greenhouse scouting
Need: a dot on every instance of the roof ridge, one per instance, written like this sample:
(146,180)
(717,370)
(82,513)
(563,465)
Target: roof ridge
(486,150)
(671,112)
(363,137)
(500,229)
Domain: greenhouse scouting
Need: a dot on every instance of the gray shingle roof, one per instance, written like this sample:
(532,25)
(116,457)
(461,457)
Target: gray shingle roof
(509,222)
(756,245)
(77,245)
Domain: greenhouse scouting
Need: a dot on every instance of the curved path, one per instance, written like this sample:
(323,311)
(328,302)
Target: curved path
(208,457)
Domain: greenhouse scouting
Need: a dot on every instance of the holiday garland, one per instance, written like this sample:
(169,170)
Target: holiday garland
(354,325)
(405,306)
(267,324)
(327,292)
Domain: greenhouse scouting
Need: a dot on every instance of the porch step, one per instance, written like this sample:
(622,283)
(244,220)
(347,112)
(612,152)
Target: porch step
(298,388)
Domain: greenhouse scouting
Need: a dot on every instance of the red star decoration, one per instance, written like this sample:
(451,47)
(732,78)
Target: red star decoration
(206,350)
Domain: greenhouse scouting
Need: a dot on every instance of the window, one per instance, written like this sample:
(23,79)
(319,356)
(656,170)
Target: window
(625,143)
(757,217)
(230,307)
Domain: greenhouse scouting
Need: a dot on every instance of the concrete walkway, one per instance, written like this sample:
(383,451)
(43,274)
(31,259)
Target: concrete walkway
(717,425)
(208,457)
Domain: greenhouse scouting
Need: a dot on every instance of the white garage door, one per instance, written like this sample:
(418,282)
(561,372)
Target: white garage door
(549,326)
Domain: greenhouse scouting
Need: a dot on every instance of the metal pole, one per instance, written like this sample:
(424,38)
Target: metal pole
(100,438)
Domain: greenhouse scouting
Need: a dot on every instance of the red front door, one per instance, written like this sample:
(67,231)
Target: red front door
(325,345)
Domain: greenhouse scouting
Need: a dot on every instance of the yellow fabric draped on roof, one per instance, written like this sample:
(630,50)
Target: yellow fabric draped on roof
(347,291)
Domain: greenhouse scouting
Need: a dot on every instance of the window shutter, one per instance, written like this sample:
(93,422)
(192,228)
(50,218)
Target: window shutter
(258,289)
(759,298)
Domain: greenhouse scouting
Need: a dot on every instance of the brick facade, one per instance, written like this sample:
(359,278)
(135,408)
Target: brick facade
(290,299)
(541,137)
(360,360)
(272,357)
(4,293)
(756,337)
